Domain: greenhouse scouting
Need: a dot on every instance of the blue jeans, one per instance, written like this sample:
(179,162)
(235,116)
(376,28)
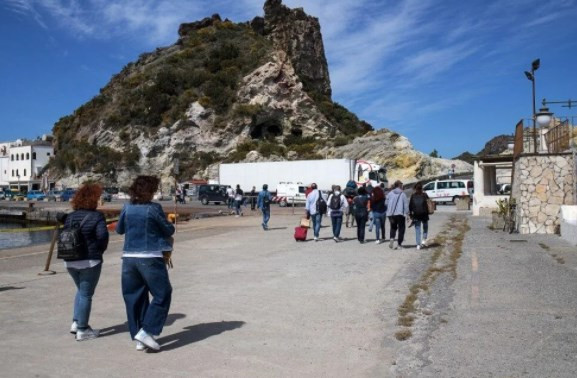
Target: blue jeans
(317,218)
(237,205)
(337,222)
(379,219)
(265,216)
(86,281)
(141,276)
(418,230)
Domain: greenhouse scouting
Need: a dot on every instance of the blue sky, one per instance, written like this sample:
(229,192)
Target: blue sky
(448,74)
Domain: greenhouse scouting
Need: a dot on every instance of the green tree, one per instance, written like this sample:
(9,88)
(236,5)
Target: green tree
(434,154)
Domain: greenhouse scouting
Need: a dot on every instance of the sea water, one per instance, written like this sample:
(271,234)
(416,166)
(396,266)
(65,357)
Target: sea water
(23,235)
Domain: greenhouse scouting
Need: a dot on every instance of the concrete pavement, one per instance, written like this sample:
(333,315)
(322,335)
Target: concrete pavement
(253,303)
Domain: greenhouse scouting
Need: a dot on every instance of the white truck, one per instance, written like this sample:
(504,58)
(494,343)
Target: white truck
(292,176)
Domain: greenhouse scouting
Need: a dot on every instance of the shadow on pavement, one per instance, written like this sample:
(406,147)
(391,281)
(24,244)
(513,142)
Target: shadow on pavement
(276,228)
(196,333)
(120,328)
(6,288)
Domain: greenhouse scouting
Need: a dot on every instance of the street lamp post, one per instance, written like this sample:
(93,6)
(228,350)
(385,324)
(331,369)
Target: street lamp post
(531,76)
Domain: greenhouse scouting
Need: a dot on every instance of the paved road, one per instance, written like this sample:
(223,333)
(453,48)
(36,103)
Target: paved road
(254,303)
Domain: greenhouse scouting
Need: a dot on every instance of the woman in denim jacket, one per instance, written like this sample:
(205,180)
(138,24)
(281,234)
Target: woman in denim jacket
(147,234)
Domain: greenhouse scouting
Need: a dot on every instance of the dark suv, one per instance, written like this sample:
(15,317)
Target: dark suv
(212,193)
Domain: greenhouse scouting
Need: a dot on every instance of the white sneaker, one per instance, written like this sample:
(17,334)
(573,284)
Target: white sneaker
(392,244)
(74,327)
(316,239)
(87,334)
(424,242)
(140,346)
(336,239)
(378,241)
(419,247)
(147,340)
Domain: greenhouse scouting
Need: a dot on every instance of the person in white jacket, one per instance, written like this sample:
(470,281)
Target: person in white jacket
(312,207)
(337,206)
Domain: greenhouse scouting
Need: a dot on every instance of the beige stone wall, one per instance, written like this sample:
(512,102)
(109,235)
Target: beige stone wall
(542,184)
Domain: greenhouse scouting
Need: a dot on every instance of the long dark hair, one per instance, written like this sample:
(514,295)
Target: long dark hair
(419,188)
(377,194)
(142,189)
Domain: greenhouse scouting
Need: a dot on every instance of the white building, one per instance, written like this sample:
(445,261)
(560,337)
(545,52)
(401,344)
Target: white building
(26,159)
(4,165)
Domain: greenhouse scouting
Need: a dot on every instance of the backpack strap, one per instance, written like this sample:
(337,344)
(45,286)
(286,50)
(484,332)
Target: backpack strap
(82,222)
(396,203)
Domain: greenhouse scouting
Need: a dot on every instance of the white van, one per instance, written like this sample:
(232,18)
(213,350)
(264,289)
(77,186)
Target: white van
(448,190)
(289,193)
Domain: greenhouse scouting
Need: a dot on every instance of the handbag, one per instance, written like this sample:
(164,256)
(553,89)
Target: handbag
(431,206)
(306,223)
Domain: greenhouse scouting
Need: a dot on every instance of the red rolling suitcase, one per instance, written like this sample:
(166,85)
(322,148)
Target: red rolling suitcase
(301,233)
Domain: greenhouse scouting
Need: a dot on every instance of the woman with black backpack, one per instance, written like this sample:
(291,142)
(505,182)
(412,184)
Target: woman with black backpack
(84,260)
(419,213)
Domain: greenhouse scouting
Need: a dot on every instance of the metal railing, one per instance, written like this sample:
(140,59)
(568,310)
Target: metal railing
(559,137)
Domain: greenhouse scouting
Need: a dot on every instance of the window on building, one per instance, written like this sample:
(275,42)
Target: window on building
(17,174)
(33,155)
(12,173)
(27,156)
(12,157)
(24,172)
(17,157)
(22,156)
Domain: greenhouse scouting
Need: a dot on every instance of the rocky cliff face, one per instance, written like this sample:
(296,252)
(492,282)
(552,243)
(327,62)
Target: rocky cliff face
(224,92)
(299,35)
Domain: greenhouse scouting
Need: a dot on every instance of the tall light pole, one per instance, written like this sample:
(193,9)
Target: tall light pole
(531,76)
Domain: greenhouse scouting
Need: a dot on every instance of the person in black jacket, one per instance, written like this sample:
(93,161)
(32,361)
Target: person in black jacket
(86,271)
(419,213)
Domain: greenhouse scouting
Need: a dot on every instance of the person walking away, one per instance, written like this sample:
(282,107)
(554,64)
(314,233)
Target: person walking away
(263,203)
(379,210)
(362,204)
(316,206)
(230,193)
(397,211)
(85,270)
(337,207)
(253,195)
(419,213)
(350,192)
(147,233)
(238,199)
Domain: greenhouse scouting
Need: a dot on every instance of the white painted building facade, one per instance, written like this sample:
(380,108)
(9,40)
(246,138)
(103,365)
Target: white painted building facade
(23,163)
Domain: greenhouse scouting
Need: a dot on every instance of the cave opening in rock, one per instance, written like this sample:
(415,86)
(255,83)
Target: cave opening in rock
(267,129)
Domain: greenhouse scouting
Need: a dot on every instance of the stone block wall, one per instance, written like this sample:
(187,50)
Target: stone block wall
(542,184)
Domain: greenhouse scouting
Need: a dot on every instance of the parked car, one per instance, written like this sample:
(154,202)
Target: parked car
(212,193)
(67,194)
(6,194)
(18,196)
(105,196)
(35,195)
(54,195)
(448,190)
(504,188)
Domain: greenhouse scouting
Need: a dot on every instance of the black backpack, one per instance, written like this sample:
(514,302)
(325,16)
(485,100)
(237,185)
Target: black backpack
(71,243)
(360,205)
(266,200)
(321,204)
(419,204)
(335,202)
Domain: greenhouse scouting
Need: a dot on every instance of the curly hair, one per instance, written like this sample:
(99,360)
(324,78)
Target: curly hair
(142,189)
(86,198)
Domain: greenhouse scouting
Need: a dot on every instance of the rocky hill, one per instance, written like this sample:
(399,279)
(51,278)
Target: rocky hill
(224,92)
(495,146)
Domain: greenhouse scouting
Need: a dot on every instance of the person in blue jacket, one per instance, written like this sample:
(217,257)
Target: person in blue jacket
(147,233)
(263,203)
